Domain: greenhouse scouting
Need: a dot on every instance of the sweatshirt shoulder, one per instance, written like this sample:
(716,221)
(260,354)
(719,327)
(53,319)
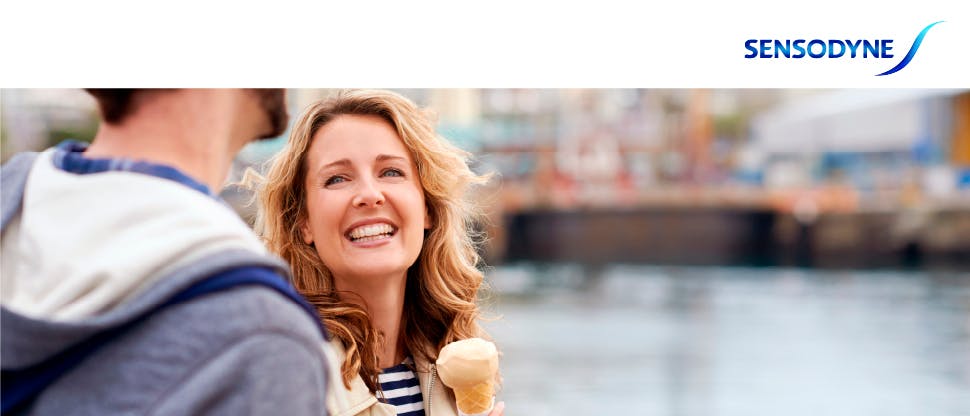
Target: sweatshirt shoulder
(227,346)
(243,310)
(263,354)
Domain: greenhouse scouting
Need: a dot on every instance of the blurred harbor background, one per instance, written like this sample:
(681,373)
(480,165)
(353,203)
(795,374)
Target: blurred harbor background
(694,251)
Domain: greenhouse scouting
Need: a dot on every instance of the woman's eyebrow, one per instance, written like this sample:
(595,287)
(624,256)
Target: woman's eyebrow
(338,163)
(385,158)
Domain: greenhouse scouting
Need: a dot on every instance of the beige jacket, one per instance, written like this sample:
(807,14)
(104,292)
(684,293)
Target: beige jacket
(439,400)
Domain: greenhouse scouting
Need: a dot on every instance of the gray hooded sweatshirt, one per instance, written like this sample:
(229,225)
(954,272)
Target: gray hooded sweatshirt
(82,253)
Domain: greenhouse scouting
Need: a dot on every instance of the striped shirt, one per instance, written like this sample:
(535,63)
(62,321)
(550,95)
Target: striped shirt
(400,388)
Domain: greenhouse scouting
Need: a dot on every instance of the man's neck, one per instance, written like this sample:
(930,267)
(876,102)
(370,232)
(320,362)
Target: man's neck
(190,132)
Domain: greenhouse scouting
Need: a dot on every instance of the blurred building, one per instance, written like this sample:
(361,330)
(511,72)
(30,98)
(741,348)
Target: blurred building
(890,146)
(870,173)
(33,119)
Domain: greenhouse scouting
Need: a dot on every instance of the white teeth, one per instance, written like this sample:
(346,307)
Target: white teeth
(366,239)
(366,232)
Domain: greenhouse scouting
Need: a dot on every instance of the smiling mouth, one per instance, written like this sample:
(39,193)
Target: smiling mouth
(371,232)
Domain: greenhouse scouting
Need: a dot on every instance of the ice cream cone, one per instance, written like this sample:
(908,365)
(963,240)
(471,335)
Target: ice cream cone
(469,367)
(476,399)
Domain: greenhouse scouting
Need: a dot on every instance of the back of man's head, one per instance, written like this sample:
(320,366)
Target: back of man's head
(115,103)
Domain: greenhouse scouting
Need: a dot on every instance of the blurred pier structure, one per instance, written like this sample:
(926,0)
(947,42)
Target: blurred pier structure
(814,178)
(846,178)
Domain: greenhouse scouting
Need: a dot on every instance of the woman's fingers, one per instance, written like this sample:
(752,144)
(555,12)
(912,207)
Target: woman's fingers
(499,409)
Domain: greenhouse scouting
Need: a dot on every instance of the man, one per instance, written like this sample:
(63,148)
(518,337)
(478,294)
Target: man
(122,269)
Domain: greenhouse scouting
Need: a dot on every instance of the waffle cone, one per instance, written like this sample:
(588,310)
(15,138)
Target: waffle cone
(475,399)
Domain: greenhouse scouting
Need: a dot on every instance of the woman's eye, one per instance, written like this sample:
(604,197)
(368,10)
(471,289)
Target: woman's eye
(392,172)
(333,180)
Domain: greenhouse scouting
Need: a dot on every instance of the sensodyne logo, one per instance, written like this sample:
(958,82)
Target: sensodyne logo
(833,49)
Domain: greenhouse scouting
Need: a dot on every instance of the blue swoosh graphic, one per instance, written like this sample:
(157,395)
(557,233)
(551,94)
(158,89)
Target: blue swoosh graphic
(912,51)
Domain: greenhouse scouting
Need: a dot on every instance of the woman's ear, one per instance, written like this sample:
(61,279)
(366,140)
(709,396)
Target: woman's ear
(427,217)
(305,231)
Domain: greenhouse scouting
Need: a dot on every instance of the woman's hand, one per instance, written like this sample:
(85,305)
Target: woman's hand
(499,409)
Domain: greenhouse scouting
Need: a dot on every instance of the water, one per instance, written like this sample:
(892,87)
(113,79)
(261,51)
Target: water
(726,341)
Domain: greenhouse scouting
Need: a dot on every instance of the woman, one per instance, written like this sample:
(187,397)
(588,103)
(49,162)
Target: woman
(367,204)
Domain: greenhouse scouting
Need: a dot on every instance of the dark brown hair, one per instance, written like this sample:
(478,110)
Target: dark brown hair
(115,103)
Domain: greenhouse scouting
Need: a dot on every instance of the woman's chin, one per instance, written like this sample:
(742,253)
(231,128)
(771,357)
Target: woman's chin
(379,268)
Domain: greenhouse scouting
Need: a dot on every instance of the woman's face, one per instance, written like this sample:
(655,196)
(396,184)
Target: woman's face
(366,214)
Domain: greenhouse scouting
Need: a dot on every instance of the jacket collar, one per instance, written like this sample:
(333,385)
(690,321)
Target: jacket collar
(439,400)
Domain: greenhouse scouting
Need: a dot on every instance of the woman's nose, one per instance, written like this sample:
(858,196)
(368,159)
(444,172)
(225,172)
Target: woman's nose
(368,194)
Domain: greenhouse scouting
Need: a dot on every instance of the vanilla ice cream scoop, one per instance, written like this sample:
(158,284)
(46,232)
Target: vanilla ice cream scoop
(469,367)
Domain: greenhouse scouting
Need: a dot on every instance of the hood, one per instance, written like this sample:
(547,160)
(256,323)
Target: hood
(84,244)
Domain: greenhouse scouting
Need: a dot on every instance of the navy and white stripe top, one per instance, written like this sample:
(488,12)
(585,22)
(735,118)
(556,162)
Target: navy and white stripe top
(401,389)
